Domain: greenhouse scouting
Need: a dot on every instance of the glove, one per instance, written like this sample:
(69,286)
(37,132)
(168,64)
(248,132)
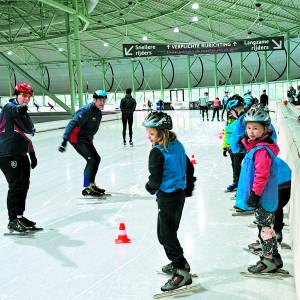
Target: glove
(225,152)
(149,189)
(190,187)
(33,160)
(62,147)
(253,200)
(22,109)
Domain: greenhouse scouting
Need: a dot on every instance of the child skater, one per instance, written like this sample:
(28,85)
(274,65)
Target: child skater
(258,185)
(171,179)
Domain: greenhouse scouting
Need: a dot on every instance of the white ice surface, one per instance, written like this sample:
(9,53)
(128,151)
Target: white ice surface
(76,257)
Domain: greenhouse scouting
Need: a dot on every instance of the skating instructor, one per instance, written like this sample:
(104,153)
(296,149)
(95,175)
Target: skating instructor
(16,129)
(80,133)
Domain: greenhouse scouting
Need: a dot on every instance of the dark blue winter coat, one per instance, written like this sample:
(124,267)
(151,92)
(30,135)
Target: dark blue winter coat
(84,125)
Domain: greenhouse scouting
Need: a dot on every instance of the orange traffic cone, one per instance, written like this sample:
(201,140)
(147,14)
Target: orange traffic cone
(122,237)
(193,160)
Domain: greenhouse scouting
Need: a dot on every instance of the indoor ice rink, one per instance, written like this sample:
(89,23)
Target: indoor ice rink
(173,51)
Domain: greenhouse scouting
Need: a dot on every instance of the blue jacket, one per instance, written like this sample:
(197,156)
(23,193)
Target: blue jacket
(84,125)
(174,167)
(269,198)
(16,130)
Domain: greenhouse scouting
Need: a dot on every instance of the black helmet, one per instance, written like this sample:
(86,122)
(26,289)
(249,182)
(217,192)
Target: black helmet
(158,120)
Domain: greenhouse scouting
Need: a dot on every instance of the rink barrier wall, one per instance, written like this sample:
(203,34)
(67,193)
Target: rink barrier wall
(289,144)
(54,125)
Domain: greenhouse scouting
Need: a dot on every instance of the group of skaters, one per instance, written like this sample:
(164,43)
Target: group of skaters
(261,180)
(220,105)
(249,136)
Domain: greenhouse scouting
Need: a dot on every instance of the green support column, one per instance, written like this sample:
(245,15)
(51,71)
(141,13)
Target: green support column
(189,78)
(216,74)
(132,79)
(241,73)
(70,65)
(288,58)
(161,79)
(77,54)
(9,82)
(103,71)
(266,72)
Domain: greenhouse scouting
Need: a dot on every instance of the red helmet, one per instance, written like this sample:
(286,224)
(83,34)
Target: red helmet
(24,88)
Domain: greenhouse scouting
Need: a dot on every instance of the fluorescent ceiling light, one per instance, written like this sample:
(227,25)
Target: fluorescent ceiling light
(60,49)
(145,38)
(105,45)
(176,29)
(195,6)
(195,19)
(9,52)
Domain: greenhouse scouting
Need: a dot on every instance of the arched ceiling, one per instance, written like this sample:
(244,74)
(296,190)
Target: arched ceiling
(34,30)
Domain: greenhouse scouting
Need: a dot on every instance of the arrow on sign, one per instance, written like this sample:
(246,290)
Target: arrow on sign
(128,51)
(278,45)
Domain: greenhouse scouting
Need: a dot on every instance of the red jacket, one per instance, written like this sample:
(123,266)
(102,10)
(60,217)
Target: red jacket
(262,161)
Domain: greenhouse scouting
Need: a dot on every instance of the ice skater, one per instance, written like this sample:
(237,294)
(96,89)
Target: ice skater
(80,133)
(171,180)
(258,185)
(127,106)
(16,128)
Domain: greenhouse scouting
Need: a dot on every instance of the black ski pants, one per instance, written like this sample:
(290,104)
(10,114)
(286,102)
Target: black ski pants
(204,109)
(283,198)
(169,216)
(237,159)
(216,111)
(129,120)
(90,154)
(17,174)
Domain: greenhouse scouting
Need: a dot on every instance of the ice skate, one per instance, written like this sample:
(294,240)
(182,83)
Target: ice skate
(169,269)
(268,268)
(96,189)
(254,248)
(231,188)
(124,143)
(180,278)
(30,224)
(131,143)
(91,193)
(17,227)
(243,213)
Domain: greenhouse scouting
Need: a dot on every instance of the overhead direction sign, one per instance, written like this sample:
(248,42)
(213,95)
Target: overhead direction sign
(248,45)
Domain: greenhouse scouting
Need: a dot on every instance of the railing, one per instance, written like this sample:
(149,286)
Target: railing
(289,144)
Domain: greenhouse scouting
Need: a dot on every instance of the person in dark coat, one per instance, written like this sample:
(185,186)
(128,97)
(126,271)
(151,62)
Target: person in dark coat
(16,129)
(264,99)
(127,106)
(80,133)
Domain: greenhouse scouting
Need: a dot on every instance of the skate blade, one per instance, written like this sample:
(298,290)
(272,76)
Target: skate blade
(19,234)
(183,290)
(33,229)
(194,275)
(102,197)
(244,213)
(279,274)
(258,253)
(285,246)
(252,225)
